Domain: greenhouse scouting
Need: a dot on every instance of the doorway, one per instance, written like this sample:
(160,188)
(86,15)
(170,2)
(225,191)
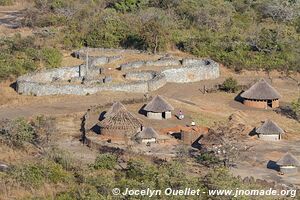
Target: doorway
(270,103)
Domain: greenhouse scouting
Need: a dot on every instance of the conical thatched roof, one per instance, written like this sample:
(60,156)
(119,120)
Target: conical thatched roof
(269,127)
(121,120)
(114,108)
(158,104)
(147,133)
(288,160)
(261,90)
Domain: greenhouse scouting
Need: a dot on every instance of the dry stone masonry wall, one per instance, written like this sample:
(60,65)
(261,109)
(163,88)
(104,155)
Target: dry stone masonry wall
(75,80)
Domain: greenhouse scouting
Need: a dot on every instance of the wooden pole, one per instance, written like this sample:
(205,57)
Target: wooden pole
(87,63)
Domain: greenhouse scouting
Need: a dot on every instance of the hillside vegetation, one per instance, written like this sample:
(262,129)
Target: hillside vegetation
(262,34)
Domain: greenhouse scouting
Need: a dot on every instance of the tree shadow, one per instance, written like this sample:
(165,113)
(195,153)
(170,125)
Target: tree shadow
(102,116)
(272,165)
(239,98)
(286,111)
(133,42)
(253,132)
(142,111)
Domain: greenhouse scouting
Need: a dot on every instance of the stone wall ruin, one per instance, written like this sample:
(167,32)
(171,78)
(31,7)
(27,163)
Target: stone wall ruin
(74,80)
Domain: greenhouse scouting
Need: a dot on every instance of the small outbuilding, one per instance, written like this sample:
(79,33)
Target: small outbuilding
(269,131)
(288,164)
(147,135)
(261,95)
(120,125)
(158,108)
(114,108)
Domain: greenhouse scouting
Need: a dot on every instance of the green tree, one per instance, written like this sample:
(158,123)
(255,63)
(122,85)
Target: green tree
(230,85)
(296,108)
(155,33)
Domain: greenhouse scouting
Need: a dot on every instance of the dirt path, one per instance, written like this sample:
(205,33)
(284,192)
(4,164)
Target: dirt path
(61,105)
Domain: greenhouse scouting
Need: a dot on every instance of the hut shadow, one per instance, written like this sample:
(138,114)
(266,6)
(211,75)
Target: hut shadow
(239,98)
(196,144)
(96,129)
(102,116)
(273,165)
(176,135)
(13,86)
(253,132)
(142,111)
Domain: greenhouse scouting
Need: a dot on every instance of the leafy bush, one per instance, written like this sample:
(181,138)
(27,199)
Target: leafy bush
(61,157)
(36,174)
(81,192)
(51,57)
(17,132)
(208,159)
(6,2)
(230,85)
(296,107)
(129,5)
(19,55)
(105,161)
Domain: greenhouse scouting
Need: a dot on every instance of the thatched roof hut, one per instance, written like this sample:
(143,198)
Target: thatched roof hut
(147,133)
(269,127)
(114,108)
(122,122)
(159,105)
(158,108)
(261,95)
(288,160)
(261,90)
(270,131)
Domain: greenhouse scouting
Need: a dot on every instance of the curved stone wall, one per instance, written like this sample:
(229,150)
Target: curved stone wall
(201,70)
(157,82)
(50,82)
(140,75)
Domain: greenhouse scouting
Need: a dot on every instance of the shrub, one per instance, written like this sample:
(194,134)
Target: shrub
(129,5)
(61,157)
(35,174)
(105,161)
(230,85)
(6,2)
(51,57)
(208,159)
(140,170)
(17,132)
(296,108)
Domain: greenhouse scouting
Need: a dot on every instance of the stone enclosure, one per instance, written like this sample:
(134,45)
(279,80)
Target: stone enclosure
(105,70)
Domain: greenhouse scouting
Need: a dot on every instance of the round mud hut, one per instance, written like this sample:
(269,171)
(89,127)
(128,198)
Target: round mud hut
(269,131)
(120,126)
(147,135)
(288,164)
(114,108)
(261,95)
(158,108)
